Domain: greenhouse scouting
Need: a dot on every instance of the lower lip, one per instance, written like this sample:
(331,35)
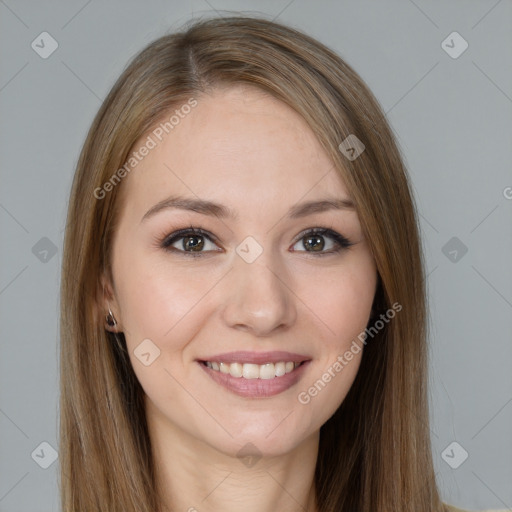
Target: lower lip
(256,388)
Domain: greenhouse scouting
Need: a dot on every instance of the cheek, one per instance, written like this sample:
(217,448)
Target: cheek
(341,301)
(161,305)
(154,299)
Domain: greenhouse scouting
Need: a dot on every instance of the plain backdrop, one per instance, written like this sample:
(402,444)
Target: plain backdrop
(451,109)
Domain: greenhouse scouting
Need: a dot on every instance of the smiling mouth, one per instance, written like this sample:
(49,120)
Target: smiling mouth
(250,371)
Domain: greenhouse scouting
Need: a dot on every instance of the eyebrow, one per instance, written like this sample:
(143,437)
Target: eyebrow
(205,207)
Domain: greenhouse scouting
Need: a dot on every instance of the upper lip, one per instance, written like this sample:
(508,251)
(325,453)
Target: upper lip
(256,357)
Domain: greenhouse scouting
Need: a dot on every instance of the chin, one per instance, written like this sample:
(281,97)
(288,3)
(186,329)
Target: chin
(264,439)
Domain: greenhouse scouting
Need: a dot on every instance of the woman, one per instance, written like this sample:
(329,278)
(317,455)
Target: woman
(243,303)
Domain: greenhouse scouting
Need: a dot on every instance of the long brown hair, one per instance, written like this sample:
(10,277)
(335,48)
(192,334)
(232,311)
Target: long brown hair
(375,452)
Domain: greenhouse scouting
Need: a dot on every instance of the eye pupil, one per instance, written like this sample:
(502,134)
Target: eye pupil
(194,246)
(315,242)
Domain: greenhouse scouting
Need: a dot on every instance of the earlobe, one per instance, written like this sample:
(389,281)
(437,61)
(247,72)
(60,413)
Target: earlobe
(107,305)
(111,321)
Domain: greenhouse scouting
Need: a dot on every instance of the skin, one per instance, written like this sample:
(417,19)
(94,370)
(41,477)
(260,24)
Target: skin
(248,151)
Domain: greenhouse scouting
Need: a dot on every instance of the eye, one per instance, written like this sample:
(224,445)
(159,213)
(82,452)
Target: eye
(192,241)
(313,241)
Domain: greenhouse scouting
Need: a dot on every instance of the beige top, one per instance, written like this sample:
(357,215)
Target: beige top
(451,508)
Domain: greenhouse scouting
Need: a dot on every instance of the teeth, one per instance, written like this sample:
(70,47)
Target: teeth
(250,371)
(224,368)
(267,371)
(254,371)
(280,369)
(236,369)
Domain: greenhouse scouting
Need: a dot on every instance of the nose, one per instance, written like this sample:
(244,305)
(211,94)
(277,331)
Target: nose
(257,298)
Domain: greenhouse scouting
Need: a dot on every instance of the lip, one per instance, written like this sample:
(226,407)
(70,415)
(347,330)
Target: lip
(256,357)
(256,388)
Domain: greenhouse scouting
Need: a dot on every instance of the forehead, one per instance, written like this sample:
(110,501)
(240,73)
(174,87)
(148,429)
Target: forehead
(234,142)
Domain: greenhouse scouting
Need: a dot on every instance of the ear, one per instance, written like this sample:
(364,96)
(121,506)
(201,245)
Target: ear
(107,303)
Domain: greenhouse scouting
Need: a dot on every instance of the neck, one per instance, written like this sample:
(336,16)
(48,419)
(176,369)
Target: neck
(192,476)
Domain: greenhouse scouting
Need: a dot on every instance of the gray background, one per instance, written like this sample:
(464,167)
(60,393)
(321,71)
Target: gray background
(452,117)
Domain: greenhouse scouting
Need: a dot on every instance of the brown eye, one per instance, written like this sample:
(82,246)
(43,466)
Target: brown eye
(191,241)
(318,239)
(315,242)
(194,243)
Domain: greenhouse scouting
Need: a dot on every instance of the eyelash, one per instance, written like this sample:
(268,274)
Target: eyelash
(341,242)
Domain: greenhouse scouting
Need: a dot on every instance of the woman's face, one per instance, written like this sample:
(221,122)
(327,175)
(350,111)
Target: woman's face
(253,288)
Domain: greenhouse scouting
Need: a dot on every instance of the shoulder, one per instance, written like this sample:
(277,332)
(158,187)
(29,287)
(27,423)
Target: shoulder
(451,508)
